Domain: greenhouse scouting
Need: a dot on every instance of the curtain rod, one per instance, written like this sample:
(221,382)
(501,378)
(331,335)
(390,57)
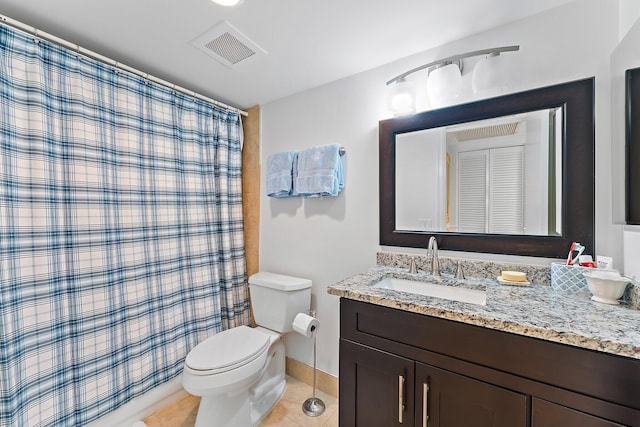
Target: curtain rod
(96,56)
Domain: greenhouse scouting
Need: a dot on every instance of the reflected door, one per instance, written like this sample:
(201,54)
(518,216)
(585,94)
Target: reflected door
(491,191)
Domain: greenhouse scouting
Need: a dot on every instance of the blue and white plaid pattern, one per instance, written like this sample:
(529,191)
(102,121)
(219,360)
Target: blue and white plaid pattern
(121,235)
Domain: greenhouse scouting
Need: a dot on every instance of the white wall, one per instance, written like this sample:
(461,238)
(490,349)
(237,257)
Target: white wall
(629,14)
(329,239)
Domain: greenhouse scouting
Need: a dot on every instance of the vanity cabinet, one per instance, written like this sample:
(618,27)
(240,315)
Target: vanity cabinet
(380,384)
(451,400)
(390,390)
(405,369)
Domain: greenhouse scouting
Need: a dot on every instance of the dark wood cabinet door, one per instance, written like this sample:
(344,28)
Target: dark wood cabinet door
(452,400)
(376,388)
(547,414)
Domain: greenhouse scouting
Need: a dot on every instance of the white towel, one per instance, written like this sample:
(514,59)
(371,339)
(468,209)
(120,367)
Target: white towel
(280,169)
(319,172)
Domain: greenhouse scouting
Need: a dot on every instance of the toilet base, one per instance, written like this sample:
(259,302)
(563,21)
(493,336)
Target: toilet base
(248,407)
(264,397)
(224,411)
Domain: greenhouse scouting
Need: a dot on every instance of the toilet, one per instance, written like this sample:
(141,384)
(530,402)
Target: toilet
(240,372)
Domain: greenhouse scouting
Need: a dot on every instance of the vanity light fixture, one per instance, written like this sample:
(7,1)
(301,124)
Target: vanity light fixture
(490,75)
(444,83)
(444,80)
(227,2)
(402,97)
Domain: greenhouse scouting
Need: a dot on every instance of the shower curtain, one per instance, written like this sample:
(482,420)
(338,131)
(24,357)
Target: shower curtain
(121,234)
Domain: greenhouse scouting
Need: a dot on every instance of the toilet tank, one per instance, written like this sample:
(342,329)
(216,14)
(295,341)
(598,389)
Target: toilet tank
(277,299)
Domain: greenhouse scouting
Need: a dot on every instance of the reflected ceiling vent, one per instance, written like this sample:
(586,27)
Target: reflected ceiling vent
(493,131)
(226,44)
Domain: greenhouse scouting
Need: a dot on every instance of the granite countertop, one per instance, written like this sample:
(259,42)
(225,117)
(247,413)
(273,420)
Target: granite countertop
(536,311)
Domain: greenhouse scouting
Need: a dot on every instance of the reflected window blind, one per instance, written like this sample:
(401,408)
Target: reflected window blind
(491,191)
(506,190)
(472,191)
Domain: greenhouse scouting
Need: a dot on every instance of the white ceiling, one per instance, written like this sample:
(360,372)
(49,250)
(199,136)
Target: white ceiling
(309,42)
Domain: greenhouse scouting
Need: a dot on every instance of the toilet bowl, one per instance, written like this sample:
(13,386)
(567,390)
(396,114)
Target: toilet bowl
(236,384)
(240,372)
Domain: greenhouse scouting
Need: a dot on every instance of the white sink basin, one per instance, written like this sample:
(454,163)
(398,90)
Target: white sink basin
(452,293)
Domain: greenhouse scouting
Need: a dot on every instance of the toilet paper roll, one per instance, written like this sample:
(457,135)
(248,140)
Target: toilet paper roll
(306,325)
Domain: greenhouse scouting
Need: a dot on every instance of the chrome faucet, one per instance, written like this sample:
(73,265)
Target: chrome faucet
(433,248)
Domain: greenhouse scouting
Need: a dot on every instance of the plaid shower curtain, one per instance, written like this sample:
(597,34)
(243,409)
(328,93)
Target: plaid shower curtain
(121,235)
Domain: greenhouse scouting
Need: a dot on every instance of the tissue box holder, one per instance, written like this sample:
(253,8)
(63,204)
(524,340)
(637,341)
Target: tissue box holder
(569,278)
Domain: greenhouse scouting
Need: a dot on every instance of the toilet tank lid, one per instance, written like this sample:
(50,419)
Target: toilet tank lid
(279,281)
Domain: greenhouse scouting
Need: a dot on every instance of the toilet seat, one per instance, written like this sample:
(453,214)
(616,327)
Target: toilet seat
(227,350)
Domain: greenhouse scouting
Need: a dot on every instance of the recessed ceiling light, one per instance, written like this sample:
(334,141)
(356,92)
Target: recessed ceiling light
(227,2)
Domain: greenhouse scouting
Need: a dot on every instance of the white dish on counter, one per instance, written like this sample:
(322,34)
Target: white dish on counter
(607,286)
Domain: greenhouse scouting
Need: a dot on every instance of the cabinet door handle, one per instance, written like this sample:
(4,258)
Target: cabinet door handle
(425,404)
(400,397)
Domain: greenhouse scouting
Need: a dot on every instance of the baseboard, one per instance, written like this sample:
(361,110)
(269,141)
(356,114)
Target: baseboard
(324,382)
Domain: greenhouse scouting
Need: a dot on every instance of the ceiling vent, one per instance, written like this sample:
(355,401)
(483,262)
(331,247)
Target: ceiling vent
(226,44)
(493,131)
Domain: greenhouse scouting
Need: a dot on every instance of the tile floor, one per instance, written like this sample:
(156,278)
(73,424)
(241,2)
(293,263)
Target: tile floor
(287,413)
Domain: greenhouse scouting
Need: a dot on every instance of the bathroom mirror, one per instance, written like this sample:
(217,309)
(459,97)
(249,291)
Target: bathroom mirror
(512,174)
(479,173)
(633,146)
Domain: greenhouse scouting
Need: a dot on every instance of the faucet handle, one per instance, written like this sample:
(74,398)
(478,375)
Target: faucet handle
(459,272)
(413,267)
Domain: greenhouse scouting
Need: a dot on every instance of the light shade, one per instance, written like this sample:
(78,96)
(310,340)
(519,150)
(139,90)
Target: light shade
(491,76)
(444,81)
(227,2)
(443,85)
(401,97)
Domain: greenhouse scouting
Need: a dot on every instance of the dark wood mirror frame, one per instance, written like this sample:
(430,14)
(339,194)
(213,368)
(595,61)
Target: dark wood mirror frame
(632,115)
(578,186)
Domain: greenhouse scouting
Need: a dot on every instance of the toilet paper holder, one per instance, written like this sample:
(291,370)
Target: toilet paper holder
(313,406)
(311,313)
(306,325)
